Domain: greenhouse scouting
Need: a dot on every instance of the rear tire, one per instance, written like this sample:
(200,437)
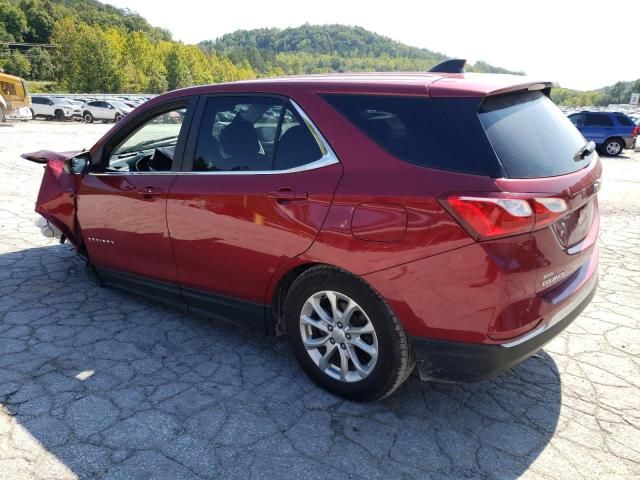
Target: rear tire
(612,147)
(3,115)
(87,117)
(364,355)
(33,115)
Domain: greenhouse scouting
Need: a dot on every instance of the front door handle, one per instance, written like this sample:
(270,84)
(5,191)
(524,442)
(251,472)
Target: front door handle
(287,194)
(150,191)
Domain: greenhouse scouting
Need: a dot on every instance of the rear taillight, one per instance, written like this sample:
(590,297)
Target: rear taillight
(636,132)
(494,217)
(548,210)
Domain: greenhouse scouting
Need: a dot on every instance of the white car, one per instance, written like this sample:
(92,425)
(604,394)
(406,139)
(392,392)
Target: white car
(51,107)
(105,110)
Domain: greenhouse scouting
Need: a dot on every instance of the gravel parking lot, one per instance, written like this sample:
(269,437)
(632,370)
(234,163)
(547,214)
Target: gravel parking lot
(95,383)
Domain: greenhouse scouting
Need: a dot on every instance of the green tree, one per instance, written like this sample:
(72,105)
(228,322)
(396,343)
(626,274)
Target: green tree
(178,75)
(18,65)
(41,64)
(86,56)
(40,20)
(13,20)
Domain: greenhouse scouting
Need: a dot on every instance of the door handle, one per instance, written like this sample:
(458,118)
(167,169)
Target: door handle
(150,191)
(287,194)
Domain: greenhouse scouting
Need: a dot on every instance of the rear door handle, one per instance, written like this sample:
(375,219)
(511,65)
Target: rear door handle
(150,191)
(287,194)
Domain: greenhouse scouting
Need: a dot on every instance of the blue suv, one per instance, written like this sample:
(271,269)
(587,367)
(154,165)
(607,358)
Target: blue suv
(611,131)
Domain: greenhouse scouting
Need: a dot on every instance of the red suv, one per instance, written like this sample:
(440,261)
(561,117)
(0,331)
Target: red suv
(378,220)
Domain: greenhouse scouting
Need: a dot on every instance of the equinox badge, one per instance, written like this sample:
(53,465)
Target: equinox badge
(552,277)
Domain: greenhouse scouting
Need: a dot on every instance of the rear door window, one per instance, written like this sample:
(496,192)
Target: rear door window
(254,133)
(237,133)
(531,136)
(410,128)
(598,120)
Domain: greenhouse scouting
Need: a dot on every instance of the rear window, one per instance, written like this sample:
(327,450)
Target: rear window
(624,120)
(410,128)
(531,136)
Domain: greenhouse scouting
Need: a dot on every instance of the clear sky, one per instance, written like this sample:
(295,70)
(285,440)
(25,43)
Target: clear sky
(581,44)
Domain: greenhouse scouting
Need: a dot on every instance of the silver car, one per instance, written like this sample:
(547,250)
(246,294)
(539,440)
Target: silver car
(105,110)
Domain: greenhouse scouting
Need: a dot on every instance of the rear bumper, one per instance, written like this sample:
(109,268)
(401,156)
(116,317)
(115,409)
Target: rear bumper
(447,361)
(22,113)
(630,142)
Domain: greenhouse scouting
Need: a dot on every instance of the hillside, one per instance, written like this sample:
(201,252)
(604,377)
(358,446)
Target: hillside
(326,48)
(100,48)
(33,20)
(617,93)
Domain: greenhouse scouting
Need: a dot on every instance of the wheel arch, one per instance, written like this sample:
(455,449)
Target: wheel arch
(280,286)
(615,137)
(278,294)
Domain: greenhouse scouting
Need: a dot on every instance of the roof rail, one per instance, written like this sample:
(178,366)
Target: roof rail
(455,65)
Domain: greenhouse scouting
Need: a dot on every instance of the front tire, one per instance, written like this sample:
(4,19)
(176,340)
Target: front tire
(612,147)
(344,336)
(118,117)
(59,115)
(87,117)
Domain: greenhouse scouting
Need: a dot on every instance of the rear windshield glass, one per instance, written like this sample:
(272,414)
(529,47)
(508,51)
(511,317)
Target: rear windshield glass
(410,128)
(531,136)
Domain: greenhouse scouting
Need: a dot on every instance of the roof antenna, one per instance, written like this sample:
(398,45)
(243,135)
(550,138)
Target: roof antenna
(455,65)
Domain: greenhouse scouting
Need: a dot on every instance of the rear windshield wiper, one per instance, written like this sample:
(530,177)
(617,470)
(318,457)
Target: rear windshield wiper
(587,150)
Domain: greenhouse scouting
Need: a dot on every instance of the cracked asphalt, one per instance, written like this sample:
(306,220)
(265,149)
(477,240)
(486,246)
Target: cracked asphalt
(96,383)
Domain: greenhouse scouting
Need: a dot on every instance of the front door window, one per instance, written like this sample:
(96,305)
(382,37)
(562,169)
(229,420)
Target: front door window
(151,147)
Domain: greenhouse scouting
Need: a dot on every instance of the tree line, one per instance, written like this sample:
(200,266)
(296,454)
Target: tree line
(620,92)
(103,49)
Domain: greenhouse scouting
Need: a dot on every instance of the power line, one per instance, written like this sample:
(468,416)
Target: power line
(28,45)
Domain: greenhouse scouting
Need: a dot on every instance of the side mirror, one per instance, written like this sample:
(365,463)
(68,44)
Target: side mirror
(78,164)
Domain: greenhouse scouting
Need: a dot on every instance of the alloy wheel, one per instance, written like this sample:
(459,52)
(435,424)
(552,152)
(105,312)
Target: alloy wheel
(613,148)
(338,336)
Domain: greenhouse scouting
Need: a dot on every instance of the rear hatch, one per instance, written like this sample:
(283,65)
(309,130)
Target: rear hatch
(542,152)
(541,223)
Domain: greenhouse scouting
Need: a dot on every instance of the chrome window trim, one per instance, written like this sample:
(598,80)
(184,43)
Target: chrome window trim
(328,157)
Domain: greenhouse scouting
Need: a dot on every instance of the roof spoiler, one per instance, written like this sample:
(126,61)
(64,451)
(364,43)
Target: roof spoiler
(455,65)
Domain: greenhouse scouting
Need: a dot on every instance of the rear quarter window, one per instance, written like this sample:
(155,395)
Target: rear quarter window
(410,128)
(531,137)
(624,120)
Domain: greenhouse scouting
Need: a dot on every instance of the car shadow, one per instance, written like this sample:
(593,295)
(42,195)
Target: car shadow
(622,156)
(97,383)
